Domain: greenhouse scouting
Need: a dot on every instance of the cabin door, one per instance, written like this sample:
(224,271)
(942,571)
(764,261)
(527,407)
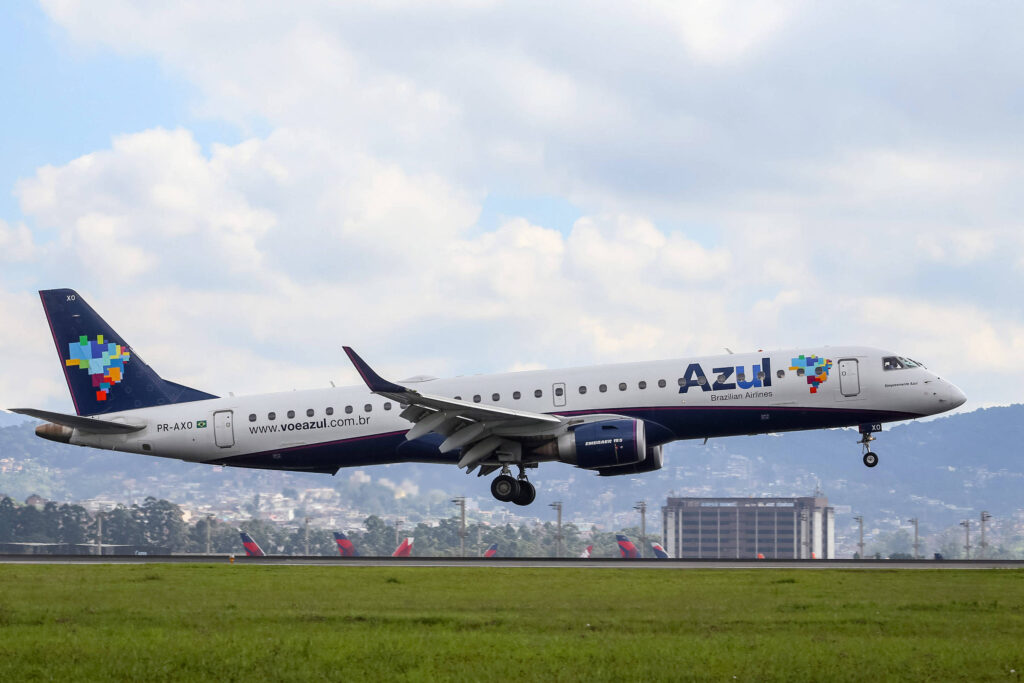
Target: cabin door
(849,377)
(223,432)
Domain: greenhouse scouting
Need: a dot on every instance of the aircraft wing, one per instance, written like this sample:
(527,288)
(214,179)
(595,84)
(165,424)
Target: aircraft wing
(477,428)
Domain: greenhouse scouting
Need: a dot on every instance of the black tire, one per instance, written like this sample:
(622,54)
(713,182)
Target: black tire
(527,493)
(504,488)
(870,459)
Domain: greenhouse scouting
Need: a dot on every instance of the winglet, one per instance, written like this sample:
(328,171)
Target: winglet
(375,382)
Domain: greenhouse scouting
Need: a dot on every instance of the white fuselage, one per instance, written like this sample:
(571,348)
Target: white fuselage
(323,429)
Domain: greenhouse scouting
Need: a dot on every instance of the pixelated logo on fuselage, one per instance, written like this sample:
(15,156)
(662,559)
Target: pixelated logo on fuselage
(814,368)
(104,361)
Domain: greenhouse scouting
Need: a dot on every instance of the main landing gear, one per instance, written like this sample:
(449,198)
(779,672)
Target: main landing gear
(870,458)
(513,490)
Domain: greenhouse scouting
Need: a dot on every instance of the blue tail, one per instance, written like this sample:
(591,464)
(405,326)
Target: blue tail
(103,372)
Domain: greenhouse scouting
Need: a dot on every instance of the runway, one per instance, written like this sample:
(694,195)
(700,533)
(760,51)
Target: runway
(512,562)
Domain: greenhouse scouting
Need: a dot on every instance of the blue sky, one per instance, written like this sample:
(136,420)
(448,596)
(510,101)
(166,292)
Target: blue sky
(480,186)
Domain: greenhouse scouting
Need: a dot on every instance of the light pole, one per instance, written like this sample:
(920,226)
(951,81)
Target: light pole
(860,544)
(99,532)
(641,506)
(307,536)
(917,546)
(398,525)
(209,523)
(984,544)
(966,524)
(557,505)
(461,502)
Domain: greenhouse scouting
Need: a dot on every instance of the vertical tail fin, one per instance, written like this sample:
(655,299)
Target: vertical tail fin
(492,551)
(345,546)
(252,548)
(404,549)
(626,547)
(585,555)
(659,551)
(104,374)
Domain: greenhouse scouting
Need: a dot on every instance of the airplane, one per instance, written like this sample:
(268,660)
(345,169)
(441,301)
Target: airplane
(585,555)
(345,546)
(609,419)
(659,551)
(404,548)
(348,549)
(492,551)
(252,548)
(626,548)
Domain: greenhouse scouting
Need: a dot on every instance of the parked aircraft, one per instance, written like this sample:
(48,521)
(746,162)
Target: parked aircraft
(252,548)
(626,548)
(659,551)
(610,419)
(404,548)
(345,546)
(492,551)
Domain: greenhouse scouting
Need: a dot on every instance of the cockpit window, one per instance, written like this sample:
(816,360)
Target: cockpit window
(891,363)
(899,363)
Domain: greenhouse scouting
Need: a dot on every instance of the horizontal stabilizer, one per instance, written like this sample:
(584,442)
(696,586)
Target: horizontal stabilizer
(86,424)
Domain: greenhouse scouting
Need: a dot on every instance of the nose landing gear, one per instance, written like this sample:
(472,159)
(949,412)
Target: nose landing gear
(513,490)
(870,458)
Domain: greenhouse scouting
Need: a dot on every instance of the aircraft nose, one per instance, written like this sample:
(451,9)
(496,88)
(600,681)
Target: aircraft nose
(956,397)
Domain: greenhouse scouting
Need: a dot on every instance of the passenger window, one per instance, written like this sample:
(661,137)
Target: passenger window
(329,411)
(476,398)
(702,380)
(800,372)
(387,405)
(761,375)
(348,409)
(495,397)
(602,388)
(271,416)
(516,395)
(741,377)
(583,390)
(721,379)
(538,393)
(642,384)
(622,386)
(368,407)
(252,417)
(662,384)
(780,374)
(457,398)
(559,391)
(291,414)
(309,413)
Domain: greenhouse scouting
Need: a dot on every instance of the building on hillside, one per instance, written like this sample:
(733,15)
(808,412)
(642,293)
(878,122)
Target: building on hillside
(738,528)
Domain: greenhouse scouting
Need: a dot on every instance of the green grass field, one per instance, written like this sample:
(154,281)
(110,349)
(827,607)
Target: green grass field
(226,623)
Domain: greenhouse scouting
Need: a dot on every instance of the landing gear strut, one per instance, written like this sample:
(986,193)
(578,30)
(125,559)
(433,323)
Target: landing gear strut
(870,458)
(513,490)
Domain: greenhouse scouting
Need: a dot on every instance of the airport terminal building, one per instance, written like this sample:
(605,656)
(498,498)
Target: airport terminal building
(731,528)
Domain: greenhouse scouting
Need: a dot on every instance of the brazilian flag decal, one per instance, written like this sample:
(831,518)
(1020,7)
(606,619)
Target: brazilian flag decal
(201,424)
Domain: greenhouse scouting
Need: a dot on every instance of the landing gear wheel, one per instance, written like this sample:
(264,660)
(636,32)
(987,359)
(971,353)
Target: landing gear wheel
(505,488)
(527,493)
(870,459)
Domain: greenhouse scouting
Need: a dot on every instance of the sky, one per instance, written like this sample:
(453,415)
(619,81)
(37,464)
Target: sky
(475,186)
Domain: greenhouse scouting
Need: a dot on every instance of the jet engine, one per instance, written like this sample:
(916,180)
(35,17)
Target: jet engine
(605,443)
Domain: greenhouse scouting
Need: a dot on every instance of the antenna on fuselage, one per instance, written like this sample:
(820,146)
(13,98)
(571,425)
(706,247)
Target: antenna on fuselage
(729,350)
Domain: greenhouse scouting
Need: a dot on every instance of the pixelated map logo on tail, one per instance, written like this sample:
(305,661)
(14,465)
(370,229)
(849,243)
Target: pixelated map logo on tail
(814,367)
(104,362)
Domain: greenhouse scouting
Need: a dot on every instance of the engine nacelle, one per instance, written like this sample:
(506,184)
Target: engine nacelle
(605,443)
(653,461)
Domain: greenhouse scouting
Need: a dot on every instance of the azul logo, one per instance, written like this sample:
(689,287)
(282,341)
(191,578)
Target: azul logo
(814,367)
(728,378)
(104,362)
